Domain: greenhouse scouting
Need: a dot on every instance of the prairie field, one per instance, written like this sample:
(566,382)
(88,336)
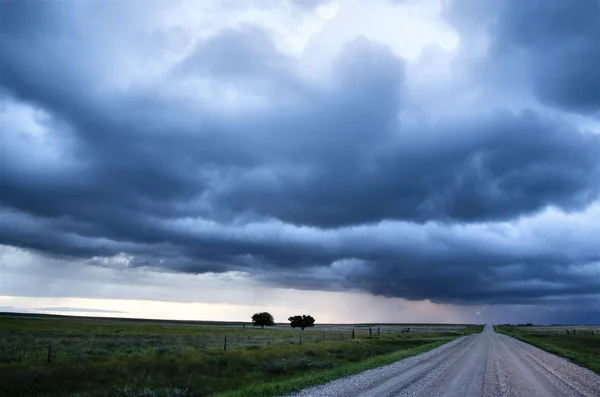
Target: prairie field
(77,356)
(579,344)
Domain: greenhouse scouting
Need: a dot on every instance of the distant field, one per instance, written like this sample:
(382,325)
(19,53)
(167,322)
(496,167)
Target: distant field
(116,357)
(580,344)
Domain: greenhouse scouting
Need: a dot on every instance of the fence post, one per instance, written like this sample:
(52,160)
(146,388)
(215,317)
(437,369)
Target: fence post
(370,333)
(353,334)
(225,343)
(378,331)
(49,349)
(341,336)
(300,337)
(574,333)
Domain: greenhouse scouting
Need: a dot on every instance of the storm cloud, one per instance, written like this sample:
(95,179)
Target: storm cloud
(127,137)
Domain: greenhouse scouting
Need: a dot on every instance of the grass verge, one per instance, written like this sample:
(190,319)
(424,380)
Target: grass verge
(302,382)
(583,350)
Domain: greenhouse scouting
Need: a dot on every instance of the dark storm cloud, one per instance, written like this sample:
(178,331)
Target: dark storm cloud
(561,40)
(495,168)
(555,41)
(314,186)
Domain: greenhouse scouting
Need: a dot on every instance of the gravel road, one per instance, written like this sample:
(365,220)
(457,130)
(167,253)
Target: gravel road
(486,364)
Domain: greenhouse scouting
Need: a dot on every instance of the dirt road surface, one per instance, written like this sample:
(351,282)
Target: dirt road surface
(486,364)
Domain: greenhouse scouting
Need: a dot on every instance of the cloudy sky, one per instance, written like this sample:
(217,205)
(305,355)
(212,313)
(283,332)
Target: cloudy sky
(407,160)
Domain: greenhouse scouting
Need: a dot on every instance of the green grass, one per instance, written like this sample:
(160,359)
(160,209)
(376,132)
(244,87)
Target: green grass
(582,348)
(308,380)
(100,357)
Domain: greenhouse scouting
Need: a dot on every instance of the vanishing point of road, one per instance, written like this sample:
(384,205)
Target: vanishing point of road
(486,364)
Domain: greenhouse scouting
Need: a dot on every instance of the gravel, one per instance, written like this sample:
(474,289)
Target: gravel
(487,364)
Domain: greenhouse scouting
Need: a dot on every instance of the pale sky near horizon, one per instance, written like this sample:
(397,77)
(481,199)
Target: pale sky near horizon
(380,161)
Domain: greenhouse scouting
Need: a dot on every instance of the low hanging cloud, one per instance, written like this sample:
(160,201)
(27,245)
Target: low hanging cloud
(224,155)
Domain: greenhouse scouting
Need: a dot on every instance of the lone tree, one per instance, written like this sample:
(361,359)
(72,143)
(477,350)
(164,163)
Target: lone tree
(262,319)
(302,321)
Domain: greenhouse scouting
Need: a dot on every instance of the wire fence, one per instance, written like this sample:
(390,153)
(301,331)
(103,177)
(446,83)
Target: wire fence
(36,346)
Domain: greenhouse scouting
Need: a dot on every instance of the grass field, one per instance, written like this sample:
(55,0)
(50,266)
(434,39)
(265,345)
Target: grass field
(580,344)
(115,357)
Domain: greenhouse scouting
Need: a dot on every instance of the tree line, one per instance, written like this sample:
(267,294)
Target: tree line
(265,319)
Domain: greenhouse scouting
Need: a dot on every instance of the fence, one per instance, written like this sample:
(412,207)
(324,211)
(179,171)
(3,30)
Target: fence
(561,331)
(36,346)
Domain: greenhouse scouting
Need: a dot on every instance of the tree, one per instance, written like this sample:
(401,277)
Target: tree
(302,321)
(262,319)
